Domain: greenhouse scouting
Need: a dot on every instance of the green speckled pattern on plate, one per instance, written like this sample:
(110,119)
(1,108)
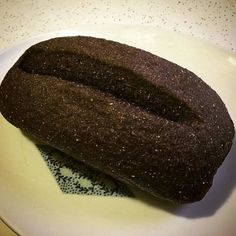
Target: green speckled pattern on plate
(74,177)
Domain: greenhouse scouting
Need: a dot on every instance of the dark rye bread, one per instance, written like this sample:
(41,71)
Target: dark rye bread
(135,116)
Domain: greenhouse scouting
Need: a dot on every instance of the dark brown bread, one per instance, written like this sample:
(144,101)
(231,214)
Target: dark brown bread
(135,116)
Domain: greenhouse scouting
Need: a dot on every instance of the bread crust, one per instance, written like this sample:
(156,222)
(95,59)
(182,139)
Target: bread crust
(131,114)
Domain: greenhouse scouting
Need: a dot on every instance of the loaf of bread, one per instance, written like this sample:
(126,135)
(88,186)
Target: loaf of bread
(126,112)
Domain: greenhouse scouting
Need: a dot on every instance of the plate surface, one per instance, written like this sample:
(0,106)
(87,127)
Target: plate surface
(32,203)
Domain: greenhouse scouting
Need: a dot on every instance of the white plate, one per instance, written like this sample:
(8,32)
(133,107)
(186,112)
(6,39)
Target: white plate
(32,203)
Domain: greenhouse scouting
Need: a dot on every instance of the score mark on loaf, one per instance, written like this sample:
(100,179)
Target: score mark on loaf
(126,112)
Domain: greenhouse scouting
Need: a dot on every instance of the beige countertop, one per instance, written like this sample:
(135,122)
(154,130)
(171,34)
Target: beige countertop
(214,21)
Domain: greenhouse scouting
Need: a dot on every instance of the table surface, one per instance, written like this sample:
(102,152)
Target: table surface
(214,21)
